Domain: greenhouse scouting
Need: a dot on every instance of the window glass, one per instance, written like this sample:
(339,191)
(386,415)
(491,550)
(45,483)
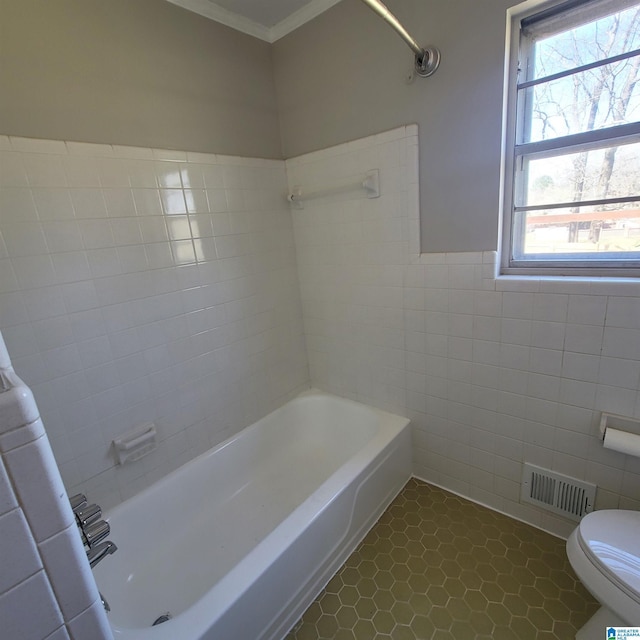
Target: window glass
(593,231)
(583,176)
(593,99)
(597,40)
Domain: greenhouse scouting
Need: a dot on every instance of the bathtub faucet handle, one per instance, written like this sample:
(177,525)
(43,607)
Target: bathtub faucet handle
(78,502)
(96,532)
(88,515)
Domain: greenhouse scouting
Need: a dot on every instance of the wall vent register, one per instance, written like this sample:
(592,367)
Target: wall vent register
(555,492)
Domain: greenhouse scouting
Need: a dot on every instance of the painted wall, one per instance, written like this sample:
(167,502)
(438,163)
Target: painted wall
(146,285)
(492,372)
(143,73)
(341,77)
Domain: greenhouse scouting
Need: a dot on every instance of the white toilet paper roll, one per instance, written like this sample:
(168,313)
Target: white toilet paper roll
(622,441)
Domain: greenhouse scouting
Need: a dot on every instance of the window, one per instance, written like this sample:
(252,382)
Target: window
(572,177)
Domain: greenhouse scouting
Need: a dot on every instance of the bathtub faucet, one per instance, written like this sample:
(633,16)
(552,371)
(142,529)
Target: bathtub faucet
(100,551)
(92,529)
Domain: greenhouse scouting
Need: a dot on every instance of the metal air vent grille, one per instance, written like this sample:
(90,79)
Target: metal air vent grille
(555,492)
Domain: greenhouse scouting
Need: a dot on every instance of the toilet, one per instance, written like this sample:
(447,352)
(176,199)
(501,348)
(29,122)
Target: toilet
(604,551)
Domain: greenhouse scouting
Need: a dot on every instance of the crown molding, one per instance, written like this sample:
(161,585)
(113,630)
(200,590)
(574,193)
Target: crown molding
(210,10)
(225,17)
(300,17)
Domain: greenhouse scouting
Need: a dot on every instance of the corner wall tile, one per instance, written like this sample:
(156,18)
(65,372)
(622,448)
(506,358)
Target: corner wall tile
(23,559)
(7,496)
(35,476)
(17,405)
(74,592)
(20,616)
(22,435)
(91,623)
(59,634)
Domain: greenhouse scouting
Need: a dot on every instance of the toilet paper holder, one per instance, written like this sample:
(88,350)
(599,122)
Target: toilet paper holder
(621,423)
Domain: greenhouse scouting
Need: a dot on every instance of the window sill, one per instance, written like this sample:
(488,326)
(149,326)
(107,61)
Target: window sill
(570,284)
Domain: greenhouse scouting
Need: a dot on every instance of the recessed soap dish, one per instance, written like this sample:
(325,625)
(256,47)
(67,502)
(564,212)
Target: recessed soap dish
(135,444)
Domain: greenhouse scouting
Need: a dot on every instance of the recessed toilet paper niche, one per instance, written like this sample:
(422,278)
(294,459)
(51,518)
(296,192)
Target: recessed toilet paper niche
(620,433)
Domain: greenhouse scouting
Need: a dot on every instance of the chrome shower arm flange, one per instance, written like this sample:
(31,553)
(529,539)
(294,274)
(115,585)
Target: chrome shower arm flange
(427,62)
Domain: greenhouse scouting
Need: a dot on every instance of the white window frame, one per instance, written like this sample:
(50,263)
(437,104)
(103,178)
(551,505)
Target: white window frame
(512,150)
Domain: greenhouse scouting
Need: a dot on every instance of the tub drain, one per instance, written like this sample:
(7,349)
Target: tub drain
(165,617)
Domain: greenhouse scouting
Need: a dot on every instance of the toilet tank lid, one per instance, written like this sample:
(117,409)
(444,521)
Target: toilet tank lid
(611,538)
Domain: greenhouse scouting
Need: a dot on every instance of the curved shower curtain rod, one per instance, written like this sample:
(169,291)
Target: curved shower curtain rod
(427,58)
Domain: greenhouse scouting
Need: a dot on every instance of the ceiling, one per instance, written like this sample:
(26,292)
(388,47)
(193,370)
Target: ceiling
(268,20)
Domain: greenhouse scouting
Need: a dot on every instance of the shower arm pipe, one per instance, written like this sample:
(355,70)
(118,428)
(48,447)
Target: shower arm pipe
(427,58)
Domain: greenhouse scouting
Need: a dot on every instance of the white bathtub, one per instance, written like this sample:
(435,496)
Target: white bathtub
(237,543)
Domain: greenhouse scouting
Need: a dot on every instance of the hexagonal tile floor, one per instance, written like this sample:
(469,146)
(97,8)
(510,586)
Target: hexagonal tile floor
(438,567)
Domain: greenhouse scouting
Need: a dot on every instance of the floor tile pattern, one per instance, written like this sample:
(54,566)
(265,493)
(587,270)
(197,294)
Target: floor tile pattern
(438,567)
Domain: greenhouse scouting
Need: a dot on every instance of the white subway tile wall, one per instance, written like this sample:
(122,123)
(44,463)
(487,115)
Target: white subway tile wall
(140,284)
(146,285)
(492,372)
